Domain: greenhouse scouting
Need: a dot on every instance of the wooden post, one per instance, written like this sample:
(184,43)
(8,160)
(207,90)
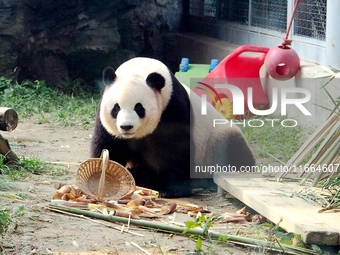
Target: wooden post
(5,150)
(8,122)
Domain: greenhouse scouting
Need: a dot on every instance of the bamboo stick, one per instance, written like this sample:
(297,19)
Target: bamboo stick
(105,161)
(328,141)
(309,144)
(331,153)
(317,154)
(195,231)
(334,147)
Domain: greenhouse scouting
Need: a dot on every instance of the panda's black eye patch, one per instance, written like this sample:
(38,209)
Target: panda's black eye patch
(140,110)
(115,111)
(156,81)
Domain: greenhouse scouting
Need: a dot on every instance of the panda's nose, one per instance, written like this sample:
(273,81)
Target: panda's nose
(126,127)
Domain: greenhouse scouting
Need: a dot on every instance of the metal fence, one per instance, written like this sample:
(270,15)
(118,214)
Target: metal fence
(310,19)
(270,14)
(235,11)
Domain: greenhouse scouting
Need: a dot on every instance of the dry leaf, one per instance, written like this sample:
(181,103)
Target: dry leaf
(135,203)
(114,206)
(86,199)
(67,197)
(136,195)
(148,192)
(64,189)
(123,201)
(57,196)
(242,210)
(127,196)
(259,219)
(75,192)
(168,208)
(230,219)
(126,214)
(59,185)
(145,209)
(234,217)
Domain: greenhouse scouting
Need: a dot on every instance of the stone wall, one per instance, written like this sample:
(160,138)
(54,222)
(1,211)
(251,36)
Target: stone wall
(59,41)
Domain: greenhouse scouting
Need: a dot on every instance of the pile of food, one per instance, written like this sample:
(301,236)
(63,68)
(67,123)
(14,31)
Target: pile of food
(141,203)
(106,187)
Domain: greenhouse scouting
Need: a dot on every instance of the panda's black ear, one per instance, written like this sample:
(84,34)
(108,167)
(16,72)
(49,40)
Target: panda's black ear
(155,80)
(109,76)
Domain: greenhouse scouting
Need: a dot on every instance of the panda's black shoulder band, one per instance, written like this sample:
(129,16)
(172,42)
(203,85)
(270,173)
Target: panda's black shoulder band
(109,75)
(155,80)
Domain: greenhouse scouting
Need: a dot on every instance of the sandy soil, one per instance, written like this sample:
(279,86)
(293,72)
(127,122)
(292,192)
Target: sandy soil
(40,231)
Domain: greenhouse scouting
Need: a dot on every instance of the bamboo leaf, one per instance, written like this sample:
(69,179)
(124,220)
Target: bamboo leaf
(199,243)
(329,81)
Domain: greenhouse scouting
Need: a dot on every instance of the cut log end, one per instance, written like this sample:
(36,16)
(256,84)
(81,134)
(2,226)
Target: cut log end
(8,119)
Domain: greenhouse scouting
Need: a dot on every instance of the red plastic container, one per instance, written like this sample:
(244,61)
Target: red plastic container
(241,70)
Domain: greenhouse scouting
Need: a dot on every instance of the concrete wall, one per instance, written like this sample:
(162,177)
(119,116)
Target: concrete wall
(312,77)
(201,49)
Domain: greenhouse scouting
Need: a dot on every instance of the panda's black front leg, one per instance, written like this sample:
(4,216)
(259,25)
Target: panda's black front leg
(167,186)
(145,178)
(174,182)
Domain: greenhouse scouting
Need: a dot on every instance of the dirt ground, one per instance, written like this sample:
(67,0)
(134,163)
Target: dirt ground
(40,231)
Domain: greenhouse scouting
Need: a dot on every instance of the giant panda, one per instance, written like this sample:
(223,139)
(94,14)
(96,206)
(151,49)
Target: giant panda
(151,122)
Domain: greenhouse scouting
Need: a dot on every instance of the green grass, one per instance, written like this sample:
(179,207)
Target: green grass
(5,220)
(274,143)
(5,184)
(22,169)
(34,98)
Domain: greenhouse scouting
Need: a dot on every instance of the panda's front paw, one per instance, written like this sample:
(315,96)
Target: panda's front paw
(176,192)
(145,178)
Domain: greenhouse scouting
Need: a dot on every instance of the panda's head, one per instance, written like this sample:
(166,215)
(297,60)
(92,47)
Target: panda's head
(135,97)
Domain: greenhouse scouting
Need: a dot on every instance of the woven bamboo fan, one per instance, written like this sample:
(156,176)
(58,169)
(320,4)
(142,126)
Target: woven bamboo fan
(104,178)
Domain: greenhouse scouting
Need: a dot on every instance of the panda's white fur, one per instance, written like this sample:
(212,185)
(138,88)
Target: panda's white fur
(215,145)
(129,87)
(160,143)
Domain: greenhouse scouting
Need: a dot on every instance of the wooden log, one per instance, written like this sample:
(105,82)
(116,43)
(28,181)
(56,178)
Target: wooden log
(8,119)
(5,150)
